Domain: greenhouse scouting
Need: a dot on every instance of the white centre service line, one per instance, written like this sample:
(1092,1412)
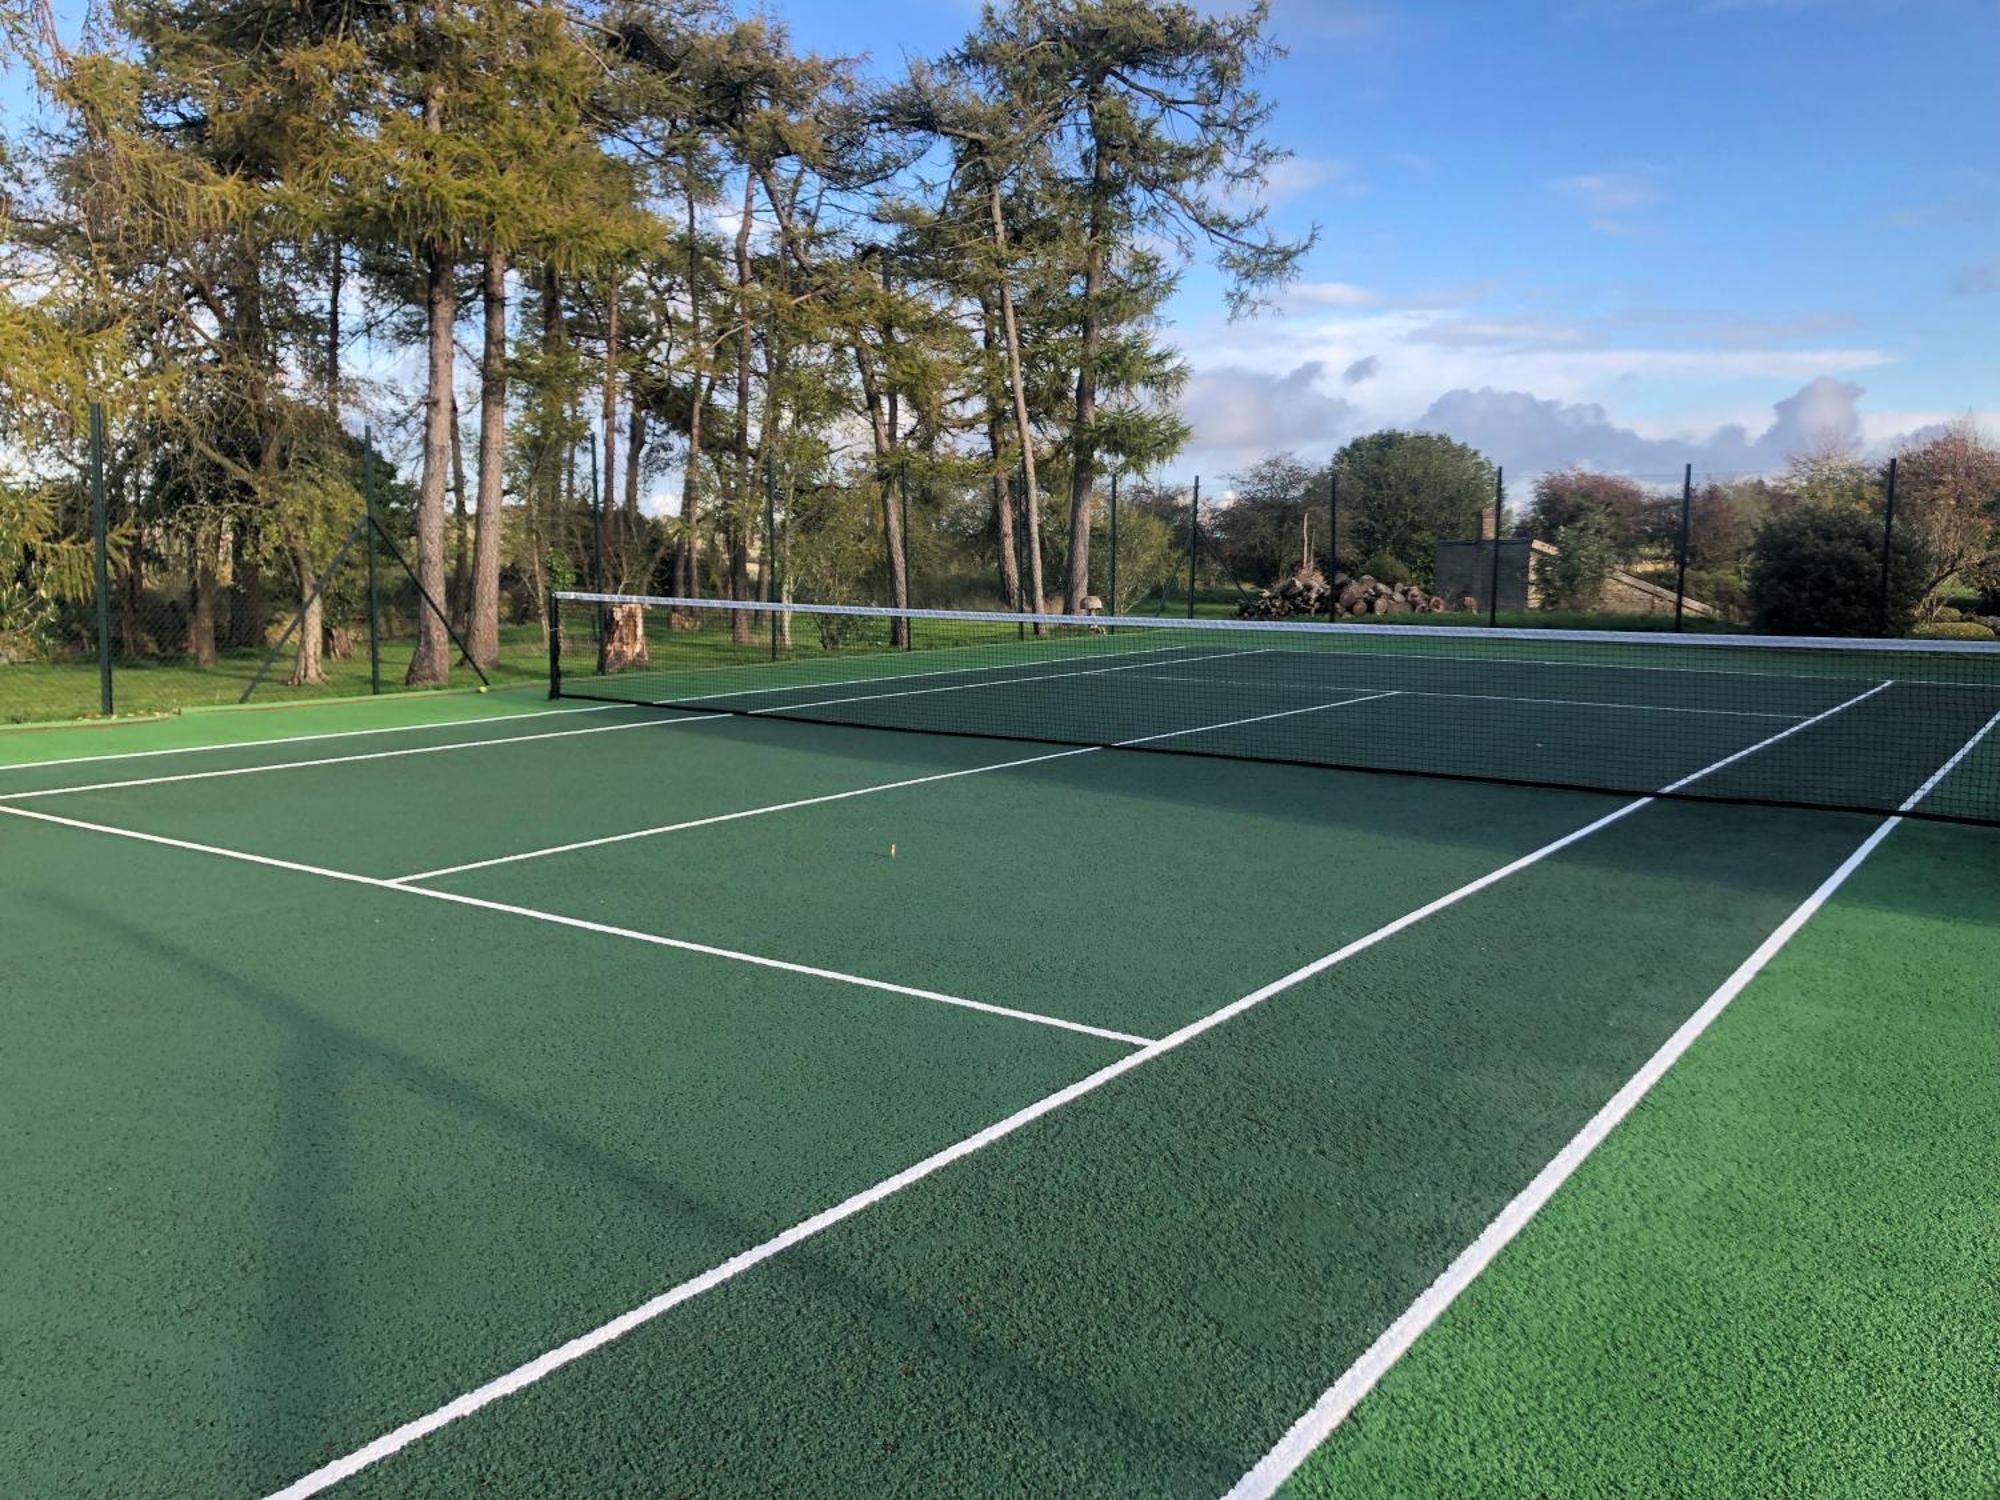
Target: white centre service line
(860,791)
(1340,1399)
(559,920)
(344,760)
(524,1375)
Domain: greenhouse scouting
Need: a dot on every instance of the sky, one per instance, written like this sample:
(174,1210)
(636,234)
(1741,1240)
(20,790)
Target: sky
(1626,233)
(1629,234)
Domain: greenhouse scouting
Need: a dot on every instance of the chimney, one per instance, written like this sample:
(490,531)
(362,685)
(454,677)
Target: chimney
(1489,523)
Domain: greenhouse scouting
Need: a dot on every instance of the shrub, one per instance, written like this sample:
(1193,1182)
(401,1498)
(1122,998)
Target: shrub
(1817,570)
(1385,567)
(1954,630)
(1586,552)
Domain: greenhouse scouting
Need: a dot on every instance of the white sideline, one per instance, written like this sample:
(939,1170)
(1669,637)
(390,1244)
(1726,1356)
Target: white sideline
(300,739)
(893,676)
(524,1375)
(860,791)
(559,920)
(1339,1399)
(966,687)
(345,760)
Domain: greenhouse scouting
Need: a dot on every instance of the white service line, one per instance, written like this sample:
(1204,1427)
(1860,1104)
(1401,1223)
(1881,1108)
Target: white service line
(525,1375)
(966,687)
(731,817)
(581,925)
(895,676)
(345,760)
(860,791)
(1651,708)
(300,739)
(1340,1399)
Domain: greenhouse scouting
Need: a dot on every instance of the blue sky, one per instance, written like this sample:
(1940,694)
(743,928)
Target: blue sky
(1628,233)
(1603,230)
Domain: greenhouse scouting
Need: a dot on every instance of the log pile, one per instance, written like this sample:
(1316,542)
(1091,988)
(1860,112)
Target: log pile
(1306,594)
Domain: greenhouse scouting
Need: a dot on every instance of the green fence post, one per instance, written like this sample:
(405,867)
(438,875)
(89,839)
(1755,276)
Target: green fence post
(1194,540)
(374,582)
(1499,506)
(100,547)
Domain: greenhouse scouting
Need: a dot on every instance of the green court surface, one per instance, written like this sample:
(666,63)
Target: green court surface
(471,1095)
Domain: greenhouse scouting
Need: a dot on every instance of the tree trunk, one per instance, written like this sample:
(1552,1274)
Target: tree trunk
(461,576)
(483,638)
(307,670)
(1024,433)
(1003,493)
(739,538)
(1083,440)
(615,584)
(431,661)
(687,569)
(201,597)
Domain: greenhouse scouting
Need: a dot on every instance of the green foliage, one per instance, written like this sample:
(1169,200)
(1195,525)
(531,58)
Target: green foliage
(1402,493)
(1148,553)
(1817,570)
(1587,549)
(1612,506)
(1954,630)
(1386,567)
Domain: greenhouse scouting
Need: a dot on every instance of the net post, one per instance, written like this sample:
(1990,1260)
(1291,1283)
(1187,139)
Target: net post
(555,646)
(1194,540)
(1114,544)
(1681,568)
(1332,541)
(1499,507)
(100,550)
(374,580)
(1888,545)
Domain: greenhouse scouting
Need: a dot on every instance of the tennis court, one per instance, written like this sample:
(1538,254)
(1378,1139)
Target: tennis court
(723,1091)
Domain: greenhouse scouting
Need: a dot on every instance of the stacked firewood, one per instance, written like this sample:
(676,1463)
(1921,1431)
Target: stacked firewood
(1306,593)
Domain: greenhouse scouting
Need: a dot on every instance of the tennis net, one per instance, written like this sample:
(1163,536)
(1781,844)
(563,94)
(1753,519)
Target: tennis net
(1864,726)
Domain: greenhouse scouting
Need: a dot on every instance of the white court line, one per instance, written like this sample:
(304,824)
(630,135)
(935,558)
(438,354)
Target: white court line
(894,676)
(300,739)
(347,760)
(525,1375)
(1651,708)
(861,791)
(1395,1341)
(966,687)
(559,920)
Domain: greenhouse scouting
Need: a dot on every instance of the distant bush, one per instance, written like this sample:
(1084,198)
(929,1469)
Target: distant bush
(1954,630)
(1586,552)
(1385,567)
(1817,570)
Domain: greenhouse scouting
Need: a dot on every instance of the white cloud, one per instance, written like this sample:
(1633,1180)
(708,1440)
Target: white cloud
(1332,294)
(1480,333)
(1607,192)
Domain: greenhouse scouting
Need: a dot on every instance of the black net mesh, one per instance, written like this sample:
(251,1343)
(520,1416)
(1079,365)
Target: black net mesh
(1868,726)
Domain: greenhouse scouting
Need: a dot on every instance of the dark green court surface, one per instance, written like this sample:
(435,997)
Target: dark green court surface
(475,1096)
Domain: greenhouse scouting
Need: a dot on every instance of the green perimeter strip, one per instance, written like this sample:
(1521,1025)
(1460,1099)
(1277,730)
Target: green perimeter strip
(1779,1276)
(1138,1293)
(287,1158)
(36,745)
